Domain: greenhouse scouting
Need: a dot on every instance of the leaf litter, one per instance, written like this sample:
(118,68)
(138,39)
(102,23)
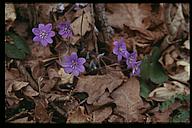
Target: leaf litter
(104,93)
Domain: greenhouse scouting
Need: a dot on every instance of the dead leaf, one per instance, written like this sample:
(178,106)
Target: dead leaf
(98,84)
(114,118)
(52,73)
(128,100)
(128,14)
(103,99)
(10,15)
(76,26)
(101,114)
(22,120)
(30,92)
(17,85)
(65,78)
(41,114)
(163,117)
(169,90)
(78,116)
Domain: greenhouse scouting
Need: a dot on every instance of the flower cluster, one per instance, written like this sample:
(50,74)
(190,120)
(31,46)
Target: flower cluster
(121,51)
(44,33)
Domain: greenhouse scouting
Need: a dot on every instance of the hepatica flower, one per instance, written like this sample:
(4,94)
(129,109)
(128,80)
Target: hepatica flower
(65,29)
(120,49)
(131,59)
(43,34)
(136,68)
(72,64)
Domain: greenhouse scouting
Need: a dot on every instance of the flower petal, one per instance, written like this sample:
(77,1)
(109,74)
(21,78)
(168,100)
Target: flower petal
(44,42)
(41,26)
(81,68)
(36,39)
(68,69)
(81,61)
(75,72)
(115,43)
(51,34)
(115,51)
(119,57)
(36,31)
(48,27)
(49,40)
(74,56)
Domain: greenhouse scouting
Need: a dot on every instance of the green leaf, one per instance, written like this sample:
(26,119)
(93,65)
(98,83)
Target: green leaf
(181,116)
(156,53)
(166,104)
(12,51)
(144,89)
(19,42)
(157,73)
(145,68)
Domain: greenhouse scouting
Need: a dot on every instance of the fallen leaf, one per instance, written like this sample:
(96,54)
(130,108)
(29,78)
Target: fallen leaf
(22,120)
(164,117)
(30,92)
(169,90)
(115,119)
(128,14)
(65,78)
(17,85)
(128,100)
(86,26)
(10,15)
(101,114)
(41,114)
(103,99)
(78,116)
(98,84)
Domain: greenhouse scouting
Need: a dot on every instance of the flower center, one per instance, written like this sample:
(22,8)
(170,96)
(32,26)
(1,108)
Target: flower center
(43,34)
(120,49)
(74,64)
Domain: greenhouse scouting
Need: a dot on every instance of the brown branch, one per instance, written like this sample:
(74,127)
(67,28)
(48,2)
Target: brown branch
(26,75)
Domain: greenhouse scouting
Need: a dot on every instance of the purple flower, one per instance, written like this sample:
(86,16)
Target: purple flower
(65,29)
(73,64)
(43,34)
(136,68)
(131,59)
(120,49)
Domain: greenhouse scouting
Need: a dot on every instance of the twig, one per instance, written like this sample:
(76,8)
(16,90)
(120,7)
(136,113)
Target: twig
(17,115)
(26,75)
(59,110)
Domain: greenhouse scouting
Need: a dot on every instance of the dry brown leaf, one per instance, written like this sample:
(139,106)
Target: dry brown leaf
(128,14)
(163,117)
(52,73)
(169,90)
(78,116)
(22,120)
(10,12)
(95,85)
(17,85)
(100,115)
(10,15)
(114,118)
(65,78)
(104,99)
(128,100)
(30,92)
(41,114)
(76,26)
